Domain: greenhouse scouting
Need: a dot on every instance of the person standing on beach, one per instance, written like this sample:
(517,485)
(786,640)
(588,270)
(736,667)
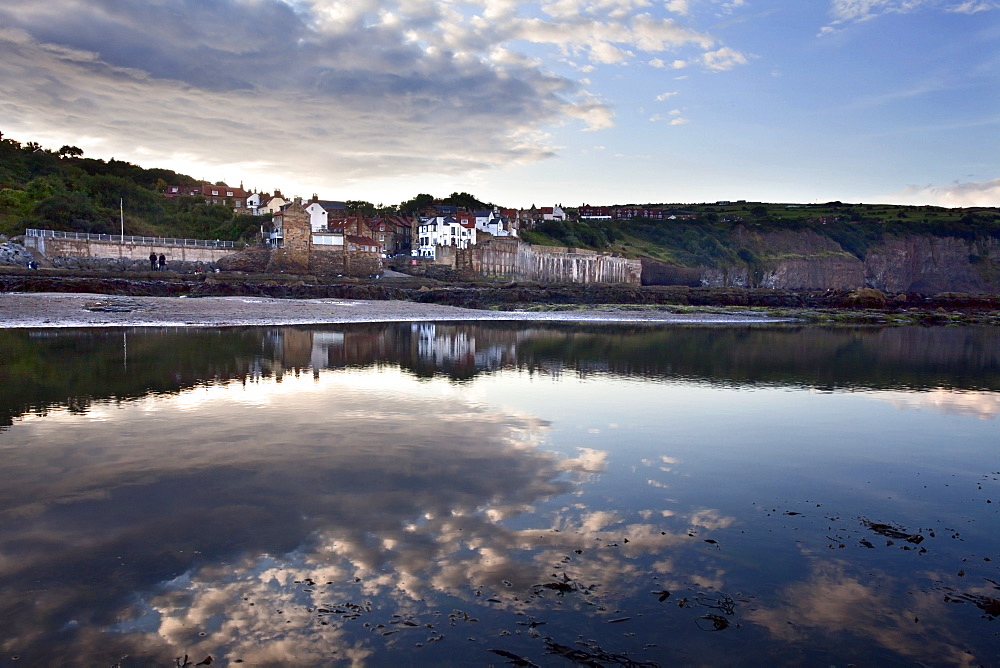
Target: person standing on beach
(163,262)
(152,261)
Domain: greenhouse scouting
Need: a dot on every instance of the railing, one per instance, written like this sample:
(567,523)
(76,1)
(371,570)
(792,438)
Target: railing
(128,239)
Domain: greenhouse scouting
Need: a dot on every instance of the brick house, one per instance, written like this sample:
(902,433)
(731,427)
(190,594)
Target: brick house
(228,195)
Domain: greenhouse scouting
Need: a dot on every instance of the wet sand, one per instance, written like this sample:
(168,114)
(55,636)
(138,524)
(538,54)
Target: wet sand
(45,310)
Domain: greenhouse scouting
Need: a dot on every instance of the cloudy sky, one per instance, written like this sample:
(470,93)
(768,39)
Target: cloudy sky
(520,103)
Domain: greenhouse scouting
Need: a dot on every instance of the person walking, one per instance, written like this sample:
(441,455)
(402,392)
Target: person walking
(152,261)
(163,262)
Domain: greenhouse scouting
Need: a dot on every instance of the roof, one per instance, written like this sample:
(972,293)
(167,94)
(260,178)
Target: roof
(330,205)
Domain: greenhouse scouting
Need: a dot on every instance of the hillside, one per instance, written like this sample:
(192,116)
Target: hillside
(61,189)
(748,244)
(794,246)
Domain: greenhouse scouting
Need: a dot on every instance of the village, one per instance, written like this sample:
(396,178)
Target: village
(325,237)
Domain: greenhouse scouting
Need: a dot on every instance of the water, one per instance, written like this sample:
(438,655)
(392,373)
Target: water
(427,494)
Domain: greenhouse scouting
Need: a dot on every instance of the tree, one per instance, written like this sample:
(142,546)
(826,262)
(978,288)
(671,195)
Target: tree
(465,201)
(416,204)
(70,152)
(72,210)
(360,207)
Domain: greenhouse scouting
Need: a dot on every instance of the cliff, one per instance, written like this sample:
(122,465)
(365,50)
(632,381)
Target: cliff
(805,260)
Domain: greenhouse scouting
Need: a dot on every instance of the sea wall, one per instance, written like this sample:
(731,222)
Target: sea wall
(80,248)
(511,259)
(316,261)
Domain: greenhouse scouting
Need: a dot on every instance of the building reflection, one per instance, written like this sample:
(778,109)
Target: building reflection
(75,368)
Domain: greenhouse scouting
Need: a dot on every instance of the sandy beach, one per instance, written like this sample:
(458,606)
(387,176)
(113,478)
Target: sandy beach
(47,310)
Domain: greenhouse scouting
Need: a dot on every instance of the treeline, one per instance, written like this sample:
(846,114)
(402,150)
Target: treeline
(61,189)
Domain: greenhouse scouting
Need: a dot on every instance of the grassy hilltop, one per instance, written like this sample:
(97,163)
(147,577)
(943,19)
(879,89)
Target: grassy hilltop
(710,234)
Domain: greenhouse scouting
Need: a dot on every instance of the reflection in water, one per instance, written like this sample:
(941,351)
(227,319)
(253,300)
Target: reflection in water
(437,493)
(74,368)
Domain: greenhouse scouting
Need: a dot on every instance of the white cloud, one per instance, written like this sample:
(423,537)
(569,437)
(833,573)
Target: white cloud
(661,65)
(723,59)
(852,11)
(664,96)
(982,193)
(974,7)
(327,91)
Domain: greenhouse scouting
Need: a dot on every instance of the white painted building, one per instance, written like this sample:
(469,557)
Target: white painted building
(323,212)
(494,223)
(458,231)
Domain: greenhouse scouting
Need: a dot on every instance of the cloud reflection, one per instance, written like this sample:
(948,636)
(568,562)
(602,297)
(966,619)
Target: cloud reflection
(982,405)
(833,602)
(223,519)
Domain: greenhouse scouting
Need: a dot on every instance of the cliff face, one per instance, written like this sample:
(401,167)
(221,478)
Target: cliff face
(808,261)
(934,264)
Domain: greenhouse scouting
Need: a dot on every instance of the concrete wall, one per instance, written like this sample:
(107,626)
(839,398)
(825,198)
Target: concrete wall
(53,248)
(512,259)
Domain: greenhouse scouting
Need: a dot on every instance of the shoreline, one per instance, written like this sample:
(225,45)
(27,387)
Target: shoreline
(49,310)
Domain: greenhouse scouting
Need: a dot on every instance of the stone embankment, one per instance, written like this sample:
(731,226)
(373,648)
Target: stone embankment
(14,254)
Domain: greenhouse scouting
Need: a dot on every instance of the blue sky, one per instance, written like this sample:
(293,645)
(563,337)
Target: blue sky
(520,103)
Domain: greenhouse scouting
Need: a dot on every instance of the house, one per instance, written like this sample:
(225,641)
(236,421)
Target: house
(322,213)
(630,212)
(496,223)
(272,205)
(253,203)
(392,234)
(553,213)
(363,244)
(458,231)
(588,212)
(213,194)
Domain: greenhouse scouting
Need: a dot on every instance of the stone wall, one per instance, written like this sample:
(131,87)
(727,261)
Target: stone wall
(511,259)
(79,248)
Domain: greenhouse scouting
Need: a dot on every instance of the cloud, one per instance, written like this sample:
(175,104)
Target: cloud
(723,59)
(323,89)
(662,65)
(664,96)
(844,12)
(982,193)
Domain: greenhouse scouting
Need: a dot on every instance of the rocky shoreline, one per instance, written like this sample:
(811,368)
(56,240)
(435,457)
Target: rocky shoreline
(832,306)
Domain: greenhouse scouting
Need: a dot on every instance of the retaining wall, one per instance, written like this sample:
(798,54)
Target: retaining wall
(79,248)
(514,260)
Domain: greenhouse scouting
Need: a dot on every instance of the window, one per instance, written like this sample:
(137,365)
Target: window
(215,192)
(229,193)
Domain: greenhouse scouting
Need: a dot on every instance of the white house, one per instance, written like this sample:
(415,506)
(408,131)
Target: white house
(553,213)
(495,223)
(323,212)
(458,231)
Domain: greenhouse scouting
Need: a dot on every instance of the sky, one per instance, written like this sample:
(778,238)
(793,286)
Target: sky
(555,102)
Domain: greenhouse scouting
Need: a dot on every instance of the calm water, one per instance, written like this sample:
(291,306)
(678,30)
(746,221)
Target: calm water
(488,494)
